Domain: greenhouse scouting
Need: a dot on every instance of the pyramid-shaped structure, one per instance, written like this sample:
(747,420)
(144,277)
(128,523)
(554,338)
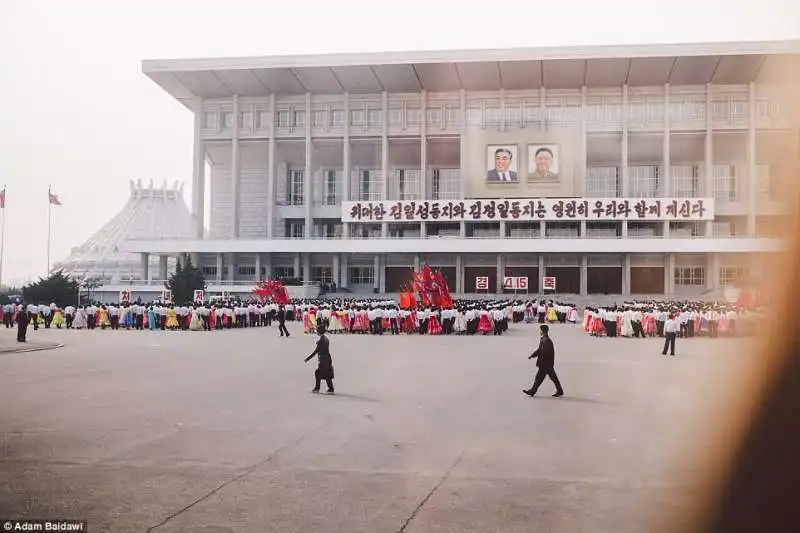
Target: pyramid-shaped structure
(150,213)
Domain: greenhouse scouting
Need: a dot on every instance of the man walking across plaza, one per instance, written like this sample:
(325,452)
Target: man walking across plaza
(282,321)
(545,357)
(671,327)
(324,369)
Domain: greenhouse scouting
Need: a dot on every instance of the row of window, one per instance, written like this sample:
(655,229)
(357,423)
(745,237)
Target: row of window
(448,115)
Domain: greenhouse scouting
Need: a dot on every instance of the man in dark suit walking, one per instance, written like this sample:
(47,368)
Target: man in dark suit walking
(545,357)
(282,321)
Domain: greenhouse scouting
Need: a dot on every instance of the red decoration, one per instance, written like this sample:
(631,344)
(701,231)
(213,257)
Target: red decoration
(272,288)
(432,288)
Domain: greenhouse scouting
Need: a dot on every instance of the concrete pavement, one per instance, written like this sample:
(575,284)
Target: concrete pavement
(218,432)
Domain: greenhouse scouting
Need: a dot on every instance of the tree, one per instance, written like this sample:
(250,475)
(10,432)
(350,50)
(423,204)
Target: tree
(184,281)
(57,288)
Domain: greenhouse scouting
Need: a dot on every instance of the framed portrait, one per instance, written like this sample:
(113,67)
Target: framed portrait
(502,164)
(543,162)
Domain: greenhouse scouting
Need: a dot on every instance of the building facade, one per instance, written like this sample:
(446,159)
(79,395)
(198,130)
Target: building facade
(628,170)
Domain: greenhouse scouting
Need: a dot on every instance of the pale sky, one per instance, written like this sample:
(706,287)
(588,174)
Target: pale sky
(76,112)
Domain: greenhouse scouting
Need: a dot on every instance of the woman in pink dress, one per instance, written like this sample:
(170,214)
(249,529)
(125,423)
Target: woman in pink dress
(434,325)
(361,324)
(485,325)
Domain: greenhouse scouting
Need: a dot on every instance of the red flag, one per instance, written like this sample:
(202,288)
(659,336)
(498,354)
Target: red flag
(53,198)
(3,198)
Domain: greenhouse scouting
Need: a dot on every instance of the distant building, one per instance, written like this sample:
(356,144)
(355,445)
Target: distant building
(622,169)
(150,213)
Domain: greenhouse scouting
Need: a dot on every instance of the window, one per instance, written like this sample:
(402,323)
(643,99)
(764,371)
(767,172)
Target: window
(247,270)
(299,119)
(407,183)
(328,231)
(322,274)
(356,117)
(283,272)
(295,230)
(320,118)
(474,115)
(209,270)
(295,186)
(362,275)
(493,114)
(724,182)
(227,119)
(446,184)
(513,114)
(210,120)
(453,116)
(262,119)
(329,187)
(603,182)
(413,116)
(685,182)
(645,181)
(690,276)
(395,117)
(375,117)
(434,116)
(337,118)
(245,119)
(367,185)
(284,118)
(731,275)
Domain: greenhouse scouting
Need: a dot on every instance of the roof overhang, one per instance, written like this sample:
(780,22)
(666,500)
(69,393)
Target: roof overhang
(476,70)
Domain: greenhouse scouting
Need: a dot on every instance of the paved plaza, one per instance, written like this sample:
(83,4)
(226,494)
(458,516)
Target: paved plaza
(219,432)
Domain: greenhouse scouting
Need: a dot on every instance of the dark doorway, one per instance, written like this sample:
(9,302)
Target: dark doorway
(470,273)
(532,273)
(396,277)
(647,280)
(568,279)
(604,280)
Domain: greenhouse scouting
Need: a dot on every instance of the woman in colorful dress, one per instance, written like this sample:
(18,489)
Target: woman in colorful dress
(58,319)
(485,325)
(102,317)
(195,322)
(172,319)
(334,321)
(460,323)
(361,324)
(552,315)
(79,322)
(434,323)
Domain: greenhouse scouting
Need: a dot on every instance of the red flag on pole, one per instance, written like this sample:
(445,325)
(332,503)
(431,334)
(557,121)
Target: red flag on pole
(3,198)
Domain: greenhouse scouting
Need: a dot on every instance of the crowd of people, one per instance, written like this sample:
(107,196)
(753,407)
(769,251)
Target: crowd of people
(641,319)
(354,316)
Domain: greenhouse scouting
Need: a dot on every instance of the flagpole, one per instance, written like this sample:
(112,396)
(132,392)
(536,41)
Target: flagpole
(2,238)
(49,224)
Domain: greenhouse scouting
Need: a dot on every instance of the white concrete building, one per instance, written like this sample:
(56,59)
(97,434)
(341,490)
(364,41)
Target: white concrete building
(353,168)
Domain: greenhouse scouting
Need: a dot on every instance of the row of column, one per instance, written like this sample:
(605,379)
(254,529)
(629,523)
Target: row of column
(340,270)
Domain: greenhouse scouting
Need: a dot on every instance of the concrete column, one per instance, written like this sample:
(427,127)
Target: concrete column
(194,257)
(376,272)
(584,275)
(306,267)
(666,152)
(542,230)
(198,172)
(462,230)
(145,266)
(417,262)
(709,155)
(669,275)
(346,167)
(423,230)
(267,266)
(271,176)
(542,268)
(463,115)
(583,229)
(542,109)
(624,229)
(502,229)
(236,170)
(713,263)
(335,271)
(258,267)
(345,276)
(625,142)
(752,160)
(382,271)
(308,178)
(232,264)
(626,274)
(581,191)
(384,156)
(296,267)
(459,288)
(162,267)
(423,144)
(500,274)
(220,266)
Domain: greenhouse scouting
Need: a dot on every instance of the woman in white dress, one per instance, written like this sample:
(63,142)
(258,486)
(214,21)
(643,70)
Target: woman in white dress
(196,322)
(334,323)
(79,322)
(460,324)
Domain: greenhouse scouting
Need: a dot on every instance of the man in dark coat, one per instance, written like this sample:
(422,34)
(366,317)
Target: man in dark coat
(545,357)
(22,324)
(282,321)
(325,367)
